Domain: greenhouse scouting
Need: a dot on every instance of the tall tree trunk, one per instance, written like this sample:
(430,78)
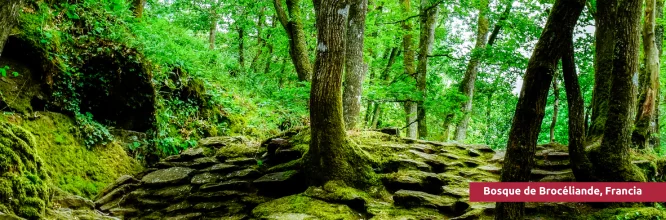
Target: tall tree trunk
(603,66)
(376,114)
(354,65)
(532,100)
(580,164)
(297,44)
(655,140)
(428,23)
(137,7)
(269,57)
(498,26)
(649,82)
(213,30)
(8,17)
(612,160)
(556,94)
(260,41)
(330,156)
(467,85)
(241,47)
(408,61)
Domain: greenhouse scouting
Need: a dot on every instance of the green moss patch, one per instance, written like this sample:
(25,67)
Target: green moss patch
(644,213)
(303,207)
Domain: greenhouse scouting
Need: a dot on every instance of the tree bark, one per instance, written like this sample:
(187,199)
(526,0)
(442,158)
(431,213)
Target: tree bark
(655,140)
(331,156)
(137,7)
(580,164)
(556,94)
(603,66)
(467,85)
(612,160)
(649,82)
(532,100)
(9,12)
(260,42)
(213,29)
(355,67)
(410,106)
(241,47)
(426,39)
(297,44)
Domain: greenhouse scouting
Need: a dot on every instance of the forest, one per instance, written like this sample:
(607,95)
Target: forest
(325,109)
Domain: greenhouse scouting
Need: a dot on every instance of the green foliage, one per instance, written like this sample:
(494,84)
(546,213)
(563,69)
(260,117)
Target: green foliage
(4,70)
(93,132)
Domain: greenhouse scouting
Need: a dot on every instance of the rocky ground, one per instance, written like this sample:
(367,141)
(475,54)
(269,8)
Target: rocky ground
(231,178)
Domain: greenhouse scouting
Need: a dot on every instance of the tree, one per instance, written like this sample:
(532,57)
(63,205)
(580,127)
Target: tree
(649,82)
(612,160)
(213,18)
(467,85)
(354,65)
(137,7)
(293,26)
(603,66)
(408,62)
(556,94)
(8,17)
(331,156)
(429,11)
(580,164)
(529,112)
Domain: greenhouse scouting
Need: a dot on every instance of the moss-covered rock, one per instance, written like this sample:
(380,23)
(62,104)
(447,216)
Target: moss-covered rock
(303,207)
(643,213)
(24,189)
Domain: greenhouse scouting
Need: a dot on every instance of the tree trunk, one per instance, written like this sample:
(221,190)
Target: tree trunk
(241,47)
(532,100)
(260,41)
(556,94)
(467,85)
(297,43)
(330,156)
(408,62)
(612,160)
(498,26)
(580,164)
(427,37)
(9,13)
(137,7)
(655,140)
(213,30)
(649,82)
(603,66)
(354,65)
(376,114)
(269,58)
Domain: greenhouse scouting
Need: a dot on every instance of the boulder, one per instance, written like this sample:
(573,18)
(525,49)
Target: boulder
(74,202)
(167,176)
(246,173)
(302,207)
(220,168)
(192,153)
(197,163)
(226,185)
(444,204)
(206,178)
(277,143)
(280,183)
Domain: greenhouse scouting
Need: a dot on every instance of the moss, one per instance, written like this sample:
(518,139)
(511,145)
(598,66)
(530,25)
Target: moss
(71,165)
(235,150)
(300,204)
(23,180)
(646,213)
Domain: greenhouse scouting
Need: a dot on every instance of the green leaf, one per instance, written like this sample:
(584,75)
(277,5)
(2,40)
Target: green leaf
(15,74)
(3,72)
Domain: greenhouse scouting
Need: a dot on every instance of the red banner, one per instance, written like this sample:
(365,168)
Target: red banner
(567,192)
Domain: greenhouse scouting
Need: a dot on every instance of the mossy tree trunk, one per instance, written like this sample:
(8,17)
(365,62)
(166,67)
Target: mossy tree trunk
(556,102)
(355,68)
(529,113)
(410,106)
(467,85)
(9,12)
(649,84)
(331,156)
(137,7)
(213,19)
(429,11)
(260,41)
(580,164)
(603,66)
(241,47)
(655,140)
(612,161)
(293,25)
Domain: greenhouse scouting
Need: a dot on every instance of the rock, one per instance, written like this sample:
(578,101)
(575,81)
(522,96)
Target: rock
(552,165)
(498,157)
(422,148)
(455,191)
(167,176)
(122,180)
(123,211)
(491,169)
(539,174)
(448,205)
(549,154)
(188,216)
(390,131)
(184,205)
(222,141)
(242,161)
(220,168)
(227,185)
(216,195)
(4,216)
(197,163)
(479,147)
(207,206)
(285,155)
(277,143)
(472,163)
(473,153)
(405,164)
(246,173)
(433,160)
(414,180)
(74,202)
(192,153)
(280,183)
(116,193)
(173,192)
(569,177)
(206,178)
(337,192)
(152,203)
